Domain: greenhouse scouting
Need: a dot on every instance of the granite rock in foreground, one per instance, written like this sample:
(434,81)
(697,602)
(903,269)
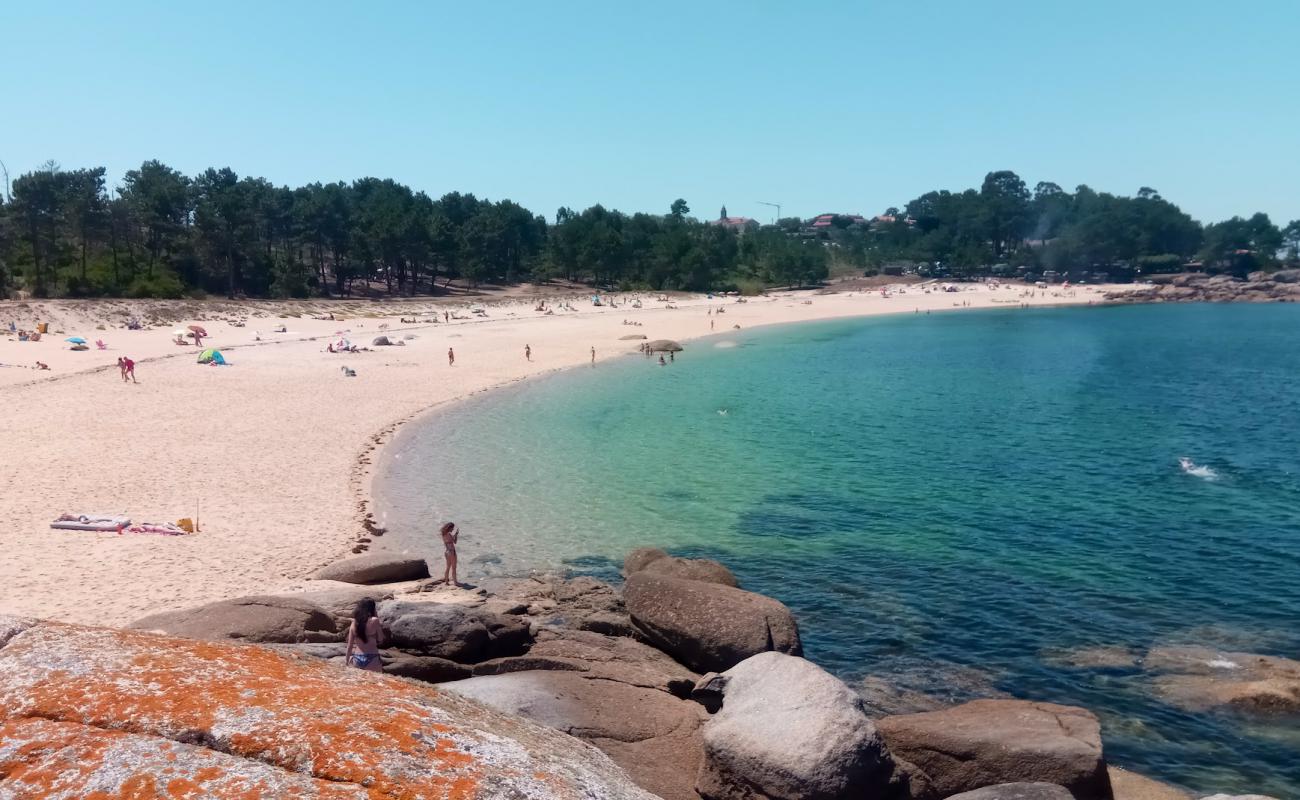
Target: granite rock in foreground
(125,713)
(1017,791)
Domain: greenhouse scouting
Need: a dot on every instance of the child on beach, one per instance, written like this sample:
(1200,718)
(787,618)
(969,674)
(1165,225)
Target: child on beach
(364,636)
(451,357)
(450,535)
(121,367)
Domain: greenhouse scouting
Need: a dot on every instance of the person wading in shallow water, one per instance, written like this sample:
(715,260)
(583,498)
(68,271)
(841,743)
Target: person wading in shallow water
(364,637)
(450,535)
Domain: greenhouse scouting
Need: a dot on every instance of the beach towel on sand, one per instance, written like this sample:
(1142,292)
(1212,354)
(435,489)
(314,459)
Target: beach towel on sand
(89,522)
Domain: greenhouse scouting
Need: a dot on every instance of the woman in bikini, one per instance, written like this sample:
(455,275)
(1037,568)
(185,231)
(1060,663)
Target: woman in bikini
(450,535)
(364,636)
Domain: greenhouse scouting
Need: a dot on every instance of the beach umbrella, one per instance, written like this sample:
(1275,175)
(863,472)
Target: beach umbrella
(178,332)
(198,329)
(75,340)
(664,346)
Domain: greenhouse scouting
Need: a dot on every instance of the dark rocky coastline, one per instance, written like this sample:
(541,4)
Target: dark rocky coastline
(690,687)
(1197,287)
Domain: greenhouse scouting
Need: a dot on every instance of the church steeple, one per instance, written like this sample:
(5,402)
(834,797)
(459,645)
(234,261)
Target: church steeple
(724,213)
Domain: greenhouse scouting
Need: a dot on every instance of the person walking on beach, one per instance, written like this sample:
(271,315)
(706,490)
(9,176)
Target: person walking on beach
(528,353)
(364,636)
(128,369)
(593,356)
(121,368)
(450,535)
(451,357)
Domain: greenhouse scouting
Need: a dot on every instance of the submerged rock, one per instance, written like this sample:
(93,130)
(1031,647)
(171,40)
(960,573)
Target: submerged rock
(1198,678)
(988,742)
(789,730)
(707,626)
(374,568)
(261,619)
(89,711)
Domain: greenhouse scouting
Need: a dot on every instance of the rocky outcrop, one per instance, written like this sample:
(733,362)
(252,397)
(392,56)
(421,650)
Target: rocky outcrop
(637,560)
(262,619)
(374,568)
(581,603)
(652,559)
(1258,287)
(789,730)
(1017,791)
(989,742)
(341,602)
(648,732)
(1198,678)
(692,569)
(609,658)
(454,632)
(1126,785)
(707,626)
(87,712)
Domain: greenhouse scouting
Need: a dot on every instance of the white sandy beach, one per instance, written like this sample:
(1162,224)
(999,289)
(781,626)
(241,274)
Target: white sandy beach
(272,451)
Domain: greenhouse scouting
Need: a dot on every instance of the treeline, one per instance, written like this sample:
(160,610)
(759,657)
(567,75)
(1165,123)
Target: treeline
(164,234)
(161,233)
(1004,224)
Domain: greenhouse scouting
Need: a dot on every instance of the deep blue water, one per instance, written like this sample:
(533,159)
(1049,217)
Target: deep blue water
(943,500)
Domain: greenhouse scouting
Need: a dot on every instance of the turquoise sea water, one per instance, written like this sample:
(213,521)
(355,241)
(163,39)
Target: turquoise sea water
(944,500)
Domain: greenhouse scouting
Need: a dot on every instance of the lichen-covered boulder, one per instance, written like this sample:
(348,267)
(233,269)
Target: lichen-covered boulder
(374,568)
(261,619)
(707,626)
(89,712)
(988,742)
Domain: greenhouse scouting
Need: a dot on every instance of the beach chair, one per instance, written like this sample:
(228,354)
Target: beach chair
(99,344)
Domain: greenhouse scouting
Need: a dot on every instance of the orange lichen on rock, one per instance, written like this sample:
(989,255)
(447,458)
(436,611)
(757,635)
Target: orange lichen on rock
(351,732)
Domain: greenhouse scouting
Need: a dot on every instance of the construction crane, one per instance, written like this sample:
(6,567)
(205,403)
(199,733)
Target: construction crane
(777,206)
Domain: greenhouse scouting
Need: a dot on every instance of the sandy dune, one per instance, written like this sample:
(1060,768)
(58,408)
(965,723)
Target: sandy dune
(271,452)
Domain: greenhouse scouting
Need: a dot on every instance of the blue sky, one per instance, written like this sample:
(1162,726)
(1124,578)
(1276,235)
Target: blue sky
(829,106)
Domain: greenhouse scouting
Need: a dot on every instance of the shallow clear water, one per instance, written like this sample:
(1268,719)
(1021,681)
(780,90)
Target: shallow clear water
(941,499)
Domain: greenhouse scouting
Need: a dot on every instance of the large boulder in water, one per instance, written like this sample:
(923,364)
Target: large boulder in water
(261,619)
(789,730)
(89,712)
(374,568)
(707,626)
(988,742)
(637,560)
(651,734)
(453,632)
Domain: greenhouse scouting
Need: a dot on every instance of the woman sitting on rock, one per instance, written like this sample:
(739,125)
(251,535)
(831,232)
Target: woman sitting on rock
(364,635)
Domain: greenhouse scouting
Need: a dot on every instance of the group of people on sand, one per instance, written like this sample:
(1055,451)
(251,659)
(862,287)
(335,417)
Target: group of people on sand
(366,632)
(126,368)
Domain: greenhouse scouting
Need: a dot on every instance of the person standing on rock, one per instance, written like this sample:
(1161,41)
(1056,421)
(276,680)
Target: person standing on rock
(450,535)
(364,636)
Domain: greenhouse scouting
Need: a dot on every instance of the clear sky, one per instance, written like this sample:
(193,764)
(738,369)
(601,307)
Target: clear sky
(826,106)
